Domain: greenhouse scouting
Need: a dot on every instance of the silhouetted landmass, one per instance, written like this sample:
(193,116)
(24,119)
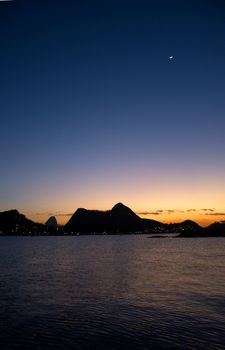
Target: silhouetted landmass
(217,228)
(52,222)
(12,222)
(214,230)
(120,219)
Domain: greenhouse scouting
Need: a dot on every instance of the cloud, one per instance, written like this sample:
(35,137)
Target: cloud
(69,214)
(53,214)
(215,214)
(42,214)
(150,213)
(191,210)
(208,209)
(161,211)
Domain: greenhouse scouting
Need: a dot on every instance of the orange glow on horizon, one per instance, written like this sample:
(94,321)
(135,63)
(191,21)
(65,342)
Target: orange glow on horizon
(178,201)
(203,216)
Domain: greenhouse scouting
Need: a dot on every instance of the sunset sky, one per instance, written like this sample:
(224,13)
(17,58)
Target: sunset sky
(93,111)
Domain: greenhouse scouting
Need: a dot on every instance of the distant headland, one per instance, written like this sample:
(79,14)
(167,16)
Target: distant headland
(118,220)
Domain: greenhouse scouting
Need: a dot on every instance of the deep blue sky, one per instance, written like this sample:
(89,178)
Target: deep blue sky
(93,111)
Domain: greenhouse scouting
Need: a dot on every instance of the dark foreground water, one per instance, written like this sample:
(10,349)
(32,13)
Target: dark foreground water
(107,292)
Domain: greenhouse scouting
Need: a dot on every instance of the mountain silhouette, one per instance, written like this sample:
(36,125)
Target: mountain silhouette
(52,222)
(120,219)
(185,226)
(121,211)
(12,222)
(216,229)
(117,220)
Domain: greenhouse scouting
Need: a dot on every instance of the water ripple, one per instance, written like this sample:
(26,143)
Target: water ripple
(112,293)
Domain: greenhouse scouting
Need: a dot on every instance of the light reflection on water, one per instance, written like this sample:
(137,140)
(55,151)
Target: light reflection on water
(112,292)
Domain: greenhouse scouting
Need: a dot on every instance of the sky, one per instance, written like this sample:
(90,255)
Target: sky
(93,111)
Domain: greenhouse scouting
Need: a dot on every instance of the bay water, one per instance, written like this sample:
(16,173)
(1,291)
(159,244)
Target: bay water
(112,292)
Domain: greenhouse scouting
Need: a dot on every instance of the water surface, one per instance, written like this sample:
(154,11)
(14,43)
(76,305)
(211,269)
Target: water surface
(112,292)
